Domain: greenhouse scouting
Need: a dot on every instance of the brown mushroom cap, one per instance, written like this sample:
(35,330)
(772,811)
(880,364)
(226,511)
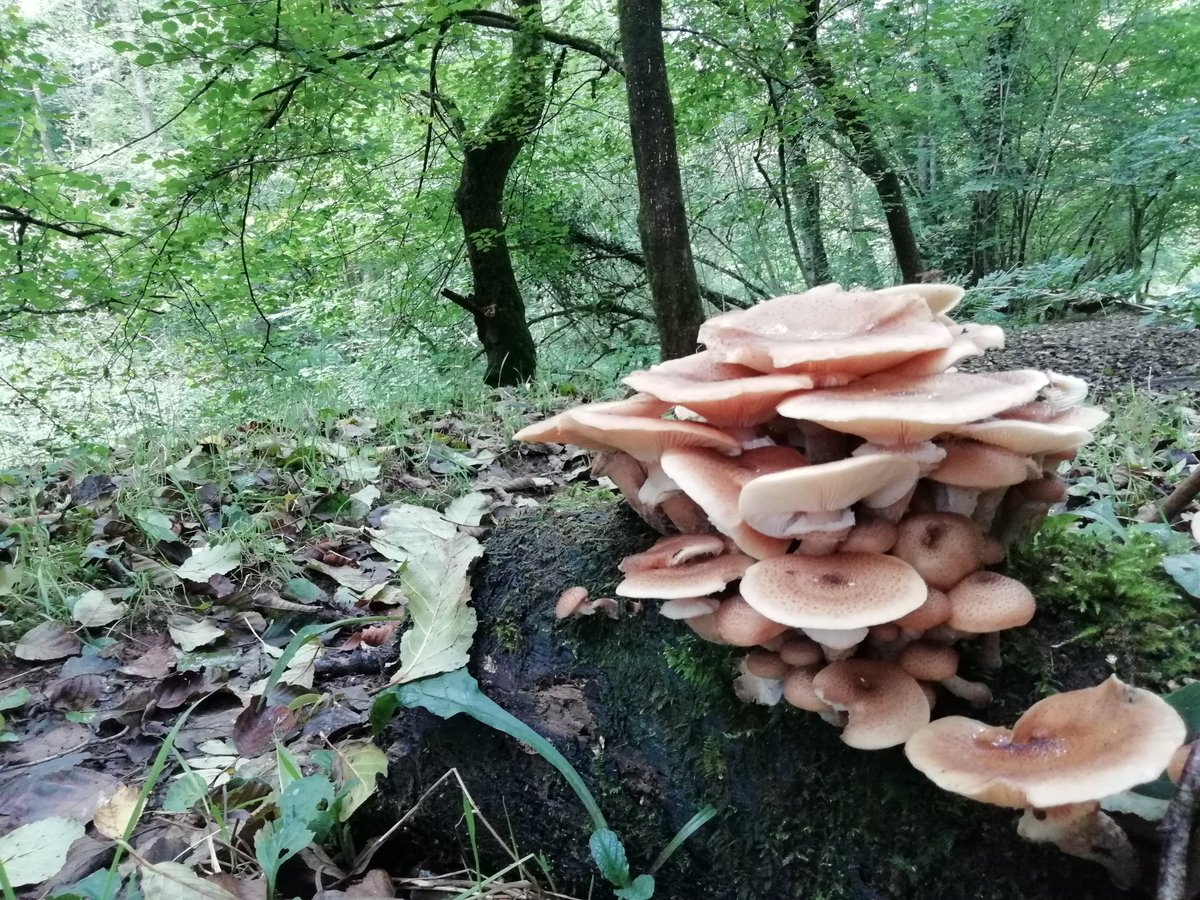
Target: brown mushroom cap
(738,623)
(800,651)
(988,601)
(690,579)
(641,437)
(927,661)
(798,690)
(673,551)
(800,501)
(894,409)
(971,464)
(724,394)
(563,429)
(839,591)
(930,614)
(870,536)
(766,664)
(826,330)
(885,704)
(569,601)
(943,547)
(1069,748)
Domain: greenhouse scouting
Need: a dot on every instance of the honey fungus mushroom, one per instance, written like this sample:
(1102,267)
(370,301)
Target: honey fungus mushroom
(1057,762)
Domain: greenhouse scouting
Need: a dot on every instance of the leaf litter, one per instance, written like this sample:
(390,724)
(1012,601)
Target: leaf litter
(161,679)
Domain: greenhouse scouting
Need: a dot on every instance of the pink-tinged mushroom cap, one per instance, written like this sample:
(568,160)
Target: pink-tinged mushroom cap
(885,704)
(563,429)
(940,298)
(644,438)
(689,607)
(840,591)
(971,464)
(738,623)
(969,340)
(826,330)
(690,579)
(943,547)
(1034,428)
(818,498)
(715,482)
(988,601)
(673,551)
(1069,748)
(724,394)
(891,409)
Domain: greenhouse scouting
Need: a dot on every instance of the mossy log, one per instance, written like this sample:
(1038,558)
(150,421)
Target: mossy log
(647,714)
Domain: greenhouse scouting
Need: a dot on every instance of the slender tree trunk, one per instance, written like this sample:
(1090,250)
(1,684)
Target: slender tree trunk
(662,221)
(983,232)
(806,195)
(850,119)
(141,91)
(496,303)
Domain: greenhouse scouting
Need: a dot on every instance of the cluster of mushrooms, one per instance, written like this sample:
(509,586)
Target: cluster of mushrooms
(831,488)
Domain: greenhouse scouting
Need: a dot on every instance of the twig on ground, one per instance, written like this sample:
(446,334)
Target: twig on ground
(1176,829)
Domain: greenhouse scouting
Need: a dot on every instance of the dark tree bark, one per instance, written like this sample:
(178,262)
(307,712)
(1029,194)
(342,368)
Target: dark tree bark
(806,196)
(850,119)
(674,290)
(488,156)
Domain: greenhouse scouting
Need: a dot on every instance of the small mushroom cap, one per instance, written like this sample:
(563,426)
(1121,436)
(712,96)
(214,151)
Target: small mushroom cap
(885,704)
(691,579)
(894,409)
(971,464)
(1073,747)
(569,601)
(738,623)
(1033,428)
(838,591)
(927,661)
(800,651)
(930,614)
(802,500)
(870,536)
(987,601)
(943,547)
(826,330)
(673,551)
(564,429)
(798,690)
(766,664)
(724,394)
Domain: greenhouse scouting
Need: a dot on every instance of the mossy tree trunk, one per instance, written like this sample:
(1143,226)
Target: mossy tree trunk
(488,157)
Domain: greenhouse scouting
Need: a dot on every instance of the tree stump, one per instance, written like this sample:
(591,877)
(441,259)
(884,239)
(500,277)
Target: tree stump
(646,713)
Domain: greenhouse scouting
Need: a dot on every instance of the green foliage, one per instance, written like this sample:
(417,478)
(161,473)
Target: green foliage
(457,692)
(1116,586)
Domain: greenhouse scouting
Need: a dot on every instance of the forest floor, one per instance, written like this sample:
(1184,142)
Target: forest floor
(159,711)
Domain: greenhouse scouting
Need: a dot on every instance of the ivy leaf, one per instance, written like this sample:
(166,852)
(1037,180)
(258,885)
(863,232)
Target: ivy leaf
(609,854)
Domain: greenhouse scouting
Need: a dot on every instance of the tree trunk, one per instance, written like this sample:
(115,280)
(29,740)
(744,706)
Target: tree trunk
(806,194)
(674,290)
(850,119)
(983,233)
(488,156)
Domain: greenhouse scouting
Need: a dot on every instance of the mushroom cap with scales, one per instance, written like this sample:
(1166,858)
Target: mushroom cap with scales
(1069,748)
(884,703)
(838,591)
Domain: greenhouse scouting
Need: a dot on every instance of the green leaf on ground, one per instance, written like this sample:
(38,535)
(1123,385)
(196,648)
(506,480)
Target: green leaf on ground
(37,851)
(215,559)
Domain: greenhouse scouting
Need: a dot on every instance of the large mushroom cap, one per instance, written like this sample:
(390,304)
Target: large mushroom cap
(826,330)
(798,501)
(1036,428)
(1069,748)
(943,547)
(694,578)
(722,393)
(894,409)
(642,437)
(839,591)
(885,704)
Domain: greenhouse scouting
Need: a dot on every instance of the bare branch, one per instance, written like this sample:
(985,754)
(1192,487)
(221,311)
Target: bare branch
(78,230)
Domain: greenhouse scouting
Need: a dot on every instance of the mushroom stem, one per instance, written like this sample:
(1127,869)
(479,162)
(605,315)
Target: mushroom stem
(989,650)
(974,692)
(1081,829)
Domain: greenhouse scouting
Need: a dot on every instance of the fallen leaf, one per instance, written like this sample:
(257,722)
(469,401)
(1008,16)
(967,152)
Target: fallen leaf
(1196,527)
(172,881)
(366,497)
(372,636)
(73,792)
(154,524)
(154,661)
(358,468)
(241,888)
(114,814)
(468,509)
(386,594)
(347,576)
(161,575)
(359,764)
(178,688)
(94,610)
(190,634)
(437,557)
(14,699)
(214,559)
(257,728)
(50,640)
(34,852)
(80,692)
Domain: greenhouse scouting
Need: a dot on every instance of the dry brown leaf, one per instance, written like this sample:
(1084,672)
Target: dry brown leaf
(114,814)
(49,640)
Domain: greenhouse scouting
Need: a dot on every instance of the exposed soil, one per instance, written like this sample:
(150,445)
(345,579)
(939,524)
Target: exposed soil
(1110,353)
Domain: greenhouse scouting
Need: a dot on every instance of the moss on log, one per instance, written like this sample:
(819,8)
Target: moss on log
(647,714)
